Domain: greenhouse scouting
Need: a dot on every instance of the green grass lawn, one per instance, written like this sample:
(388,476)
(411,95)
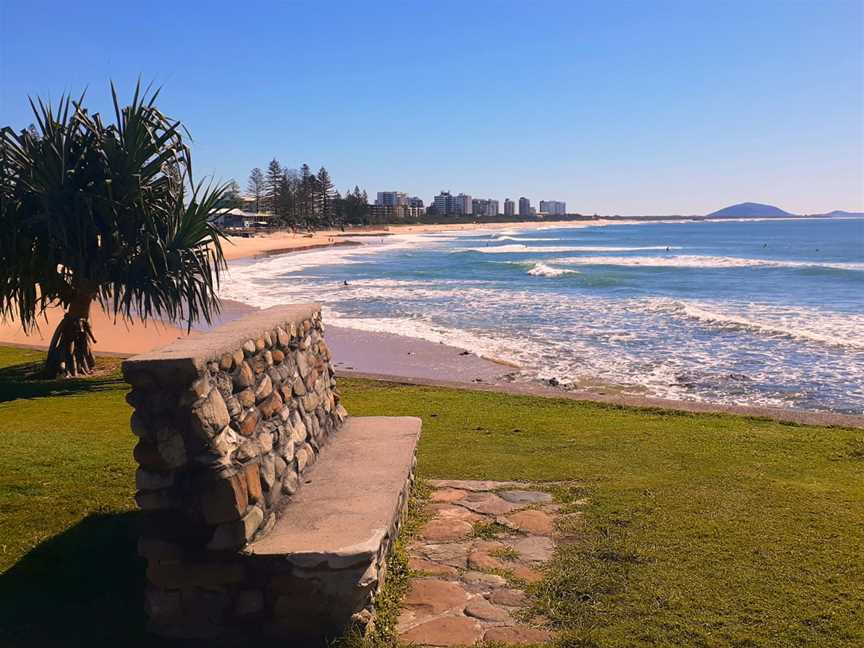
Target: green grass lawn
(701,530)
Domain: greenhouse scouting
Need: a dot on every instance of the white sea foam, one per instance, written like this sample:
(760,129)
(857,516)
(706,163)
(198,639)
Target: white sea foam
(543,270)
(695,261)
(521,239)
(561,249)
(843,330)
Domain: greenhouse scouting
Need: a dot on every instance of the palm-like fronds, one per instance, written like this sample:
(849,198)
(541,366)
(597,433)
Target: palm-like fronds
(96,209)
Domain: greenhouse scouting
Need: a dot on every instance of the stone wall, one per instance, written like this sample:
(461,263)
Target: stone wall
(227,423)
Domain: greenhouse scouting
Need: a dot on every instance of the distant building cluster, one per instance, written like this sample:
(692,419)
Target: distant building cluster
(446,204)
(397,205)
(553,207)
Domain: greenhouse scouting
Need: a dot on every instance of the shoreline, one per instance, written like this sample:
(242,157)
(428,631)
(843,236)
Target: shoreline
(393,357)
(275,243)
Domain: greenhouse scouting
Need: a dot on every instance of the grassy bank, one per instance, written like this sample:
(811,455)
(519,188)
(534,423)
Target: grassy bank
(702,530)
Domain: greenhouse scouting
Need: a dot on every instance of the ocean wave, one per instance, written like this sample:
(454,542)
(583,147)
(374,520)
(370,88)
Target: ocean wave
(840,331)
(520,239)
(694,261)
(543,270)
(514,248)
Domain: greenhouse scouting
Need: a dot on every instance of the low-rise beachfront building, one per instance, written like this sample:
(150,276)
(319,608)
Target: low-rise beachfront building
(239,219)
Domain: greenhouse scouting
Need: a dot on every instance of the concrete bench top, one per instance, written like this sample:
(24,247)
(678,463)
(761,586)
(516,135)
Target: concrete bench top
(349,498)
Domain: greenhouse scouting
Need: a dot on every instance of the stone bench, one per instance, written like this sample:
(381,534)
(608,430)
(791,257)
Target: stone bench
(266,509)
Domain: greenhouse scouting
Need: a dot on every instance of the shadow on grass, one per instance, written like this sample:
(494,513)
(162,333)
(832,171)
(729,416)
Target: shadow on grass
(24,381)
(82,587)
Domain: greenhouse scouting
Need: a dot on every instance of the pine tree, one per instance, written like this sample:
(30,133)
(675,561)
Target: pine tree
(255,187)
(272,185)
(287,212)
(304,197)
(231,199)
(325,198)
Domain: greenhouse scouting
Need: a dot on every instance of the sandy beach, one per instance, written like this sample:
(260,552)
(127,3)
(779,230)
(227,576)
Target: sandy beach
(278,242)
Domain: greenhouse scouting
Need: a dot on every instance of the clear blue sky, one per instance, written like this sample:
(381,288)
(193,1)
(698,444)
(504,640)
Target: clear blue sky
(613,106)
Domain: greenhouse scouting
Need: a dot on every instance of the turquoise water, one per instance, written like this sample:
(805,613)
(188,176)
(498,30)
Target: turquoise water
(747,312)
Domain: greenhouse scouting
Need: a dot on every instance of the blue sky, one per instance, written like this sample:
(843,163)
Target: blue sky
(615,107)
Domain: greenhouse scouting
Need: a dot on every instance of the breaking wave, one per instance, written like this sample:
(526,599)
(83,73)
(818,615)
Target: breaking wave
(835,331)
(694,261)
(543,270)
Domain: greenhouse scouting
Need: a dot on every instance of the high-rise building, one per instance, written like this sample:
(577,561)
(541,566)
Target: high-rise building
(484,207)
(553,207)
(442,204)
(463,205)
(525,207)
(391,199)
(509,207)
(414,201)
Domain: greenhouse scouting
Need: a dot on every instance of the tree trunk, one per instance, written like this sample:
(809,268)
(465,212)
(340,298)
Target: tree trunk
(70,353)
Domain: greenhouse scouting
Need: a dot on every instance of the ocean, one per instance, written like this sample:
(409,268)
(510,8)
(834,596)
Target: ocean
(750,312)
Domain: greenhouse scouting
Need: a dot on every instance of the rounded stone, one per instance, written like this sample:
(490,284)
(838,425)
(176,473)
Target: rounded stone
(244,377)
(480,608)
(246,398)
(509,597)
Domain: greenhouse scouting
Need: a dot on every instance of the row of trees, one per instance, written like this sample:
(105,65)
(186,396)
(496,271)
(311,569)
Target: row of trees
(301,199)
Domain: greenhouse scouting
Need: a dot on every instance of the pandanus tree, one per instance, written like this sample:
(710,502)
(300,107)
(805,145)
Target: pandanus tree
(105,213)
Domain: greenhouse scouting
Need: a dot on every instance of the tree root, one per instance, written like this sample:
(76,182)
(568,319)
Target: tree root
(70,353)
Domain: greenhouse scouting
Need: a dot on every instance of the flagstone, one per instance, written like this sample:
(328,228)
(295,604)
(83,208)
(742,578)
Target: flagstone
(526,497)
(444,529)
(446,631)
(433,596)
(429,567)
(532,521)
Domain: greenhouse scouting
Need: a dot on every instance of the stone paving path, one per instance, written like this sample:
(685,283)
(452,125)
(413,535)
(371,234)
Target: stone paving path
(484,542)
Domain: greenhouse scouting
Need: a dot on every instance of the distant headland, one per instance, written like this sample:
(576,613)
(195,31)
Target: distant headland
(759,210)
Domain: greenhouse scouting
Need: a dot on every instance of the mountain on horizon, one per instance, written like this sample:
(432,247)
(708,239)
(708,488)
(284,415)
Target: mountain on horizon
(748,209)
(840,212)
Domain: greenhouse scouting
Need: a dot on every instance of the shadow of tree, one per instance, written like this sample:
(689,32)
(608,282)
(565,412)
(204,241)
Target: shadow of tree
(82,587)
(23,381)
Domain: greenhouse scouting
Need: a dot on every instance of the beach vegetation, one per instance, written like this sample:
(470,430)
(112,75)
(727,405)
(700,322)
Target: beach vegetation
(106,211)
